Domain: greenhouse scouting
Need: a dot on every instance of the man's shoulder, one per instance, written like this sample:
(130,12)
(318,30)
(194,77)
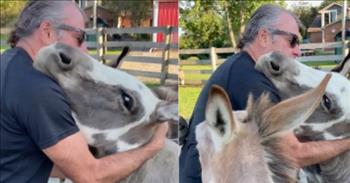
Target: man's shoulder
(236,67)
(22,82)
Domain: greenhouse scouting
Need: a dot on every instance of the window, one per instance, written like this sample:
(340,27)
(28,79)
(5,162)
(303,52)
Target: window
(330,16)
(333,16)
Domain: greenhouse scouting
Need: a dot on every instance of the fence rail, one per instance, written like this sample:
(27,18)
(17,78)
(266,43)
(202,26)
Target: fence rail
(162,54)
(197,71)
(164,49)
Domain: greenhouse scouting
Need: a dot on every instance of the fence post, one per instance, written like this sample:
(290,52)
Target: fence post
(346,48)
(104,45)
(100,44)
(181,75)
(213,58)
(165,56)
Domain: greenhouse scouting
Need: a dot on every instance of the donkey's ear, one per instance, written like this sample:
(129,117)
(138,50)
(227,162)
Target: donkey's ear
(166,111)
(290,113)
(219,115)
(124,52)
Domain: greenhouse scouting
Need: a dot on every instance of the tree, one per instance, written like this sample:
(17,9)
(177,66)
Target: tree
(306,14)
(215,23)
(328,2)
(202,24)
(9,10)
(240,12)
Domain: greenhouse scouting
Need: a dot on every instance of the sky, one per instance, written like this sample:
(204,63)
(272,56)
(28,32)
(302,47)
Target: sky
(304,2)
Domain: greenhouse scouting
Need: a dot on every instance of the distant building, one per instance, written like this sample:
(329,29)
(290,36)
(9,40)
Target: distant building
(105,17)
(166,12)
(330,21)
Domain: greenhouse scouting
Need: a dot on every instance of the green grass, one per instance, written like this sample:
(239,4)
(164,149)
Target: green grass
(197,76)
(196,67)
(109,52)
(3,37)
(187,99)
(320,63)
(152,84)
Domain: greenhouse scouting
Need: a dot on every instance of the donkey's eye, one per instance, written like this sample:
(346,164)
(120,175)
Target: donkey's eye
(326,103)
(128,102)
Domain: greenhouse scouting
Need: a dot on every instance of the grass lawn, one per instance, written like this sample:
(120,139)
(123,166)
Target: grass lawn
(196,67)
(196,76)
(187,99)
(109,52)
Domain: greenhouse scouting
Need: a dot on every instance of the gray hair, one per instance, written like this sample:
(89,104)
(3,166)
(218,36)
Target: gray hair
(33,14)
(264,17)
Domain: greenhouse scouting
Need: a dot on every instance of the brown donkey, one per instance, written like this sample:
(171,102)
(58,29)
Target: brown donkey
(242,146)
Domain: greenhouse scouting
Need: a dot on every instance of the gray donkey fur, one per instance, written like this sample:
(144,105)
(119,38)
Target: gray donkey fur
(114,111)
(331,120)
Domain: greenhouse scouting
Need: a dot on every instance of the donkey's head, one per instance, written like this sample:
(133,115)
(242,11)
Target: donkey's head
(110,106)
(331,120)
(241,146)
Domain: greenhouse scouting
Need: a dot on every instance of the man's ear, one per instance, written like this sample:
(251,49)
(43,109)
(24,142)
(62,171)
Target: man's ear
(264,37)
(47,33)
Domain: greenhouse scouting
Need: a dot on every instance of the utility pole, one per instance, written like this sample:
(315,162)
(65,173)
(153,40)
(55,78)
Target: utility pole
(343,36)
(95,14)
(155,18)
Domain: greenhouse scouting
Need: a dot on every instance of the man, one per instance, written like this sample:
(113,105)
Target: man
(270,28)
(37,128)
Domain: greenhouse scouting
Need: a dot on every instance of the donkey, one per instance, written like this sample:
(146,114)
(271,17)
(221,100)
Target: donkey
(344,67)
(114,111)
(166,92)
(242,146)
(331,120)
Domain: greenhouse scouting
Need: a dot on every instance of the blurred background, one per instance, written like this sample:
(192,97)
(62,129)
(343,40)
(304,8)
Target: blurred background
(209,32)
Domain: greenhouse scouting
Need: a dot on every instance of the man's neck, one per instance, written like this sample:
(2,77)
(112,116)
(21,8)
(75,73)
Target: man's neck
(251,52)
(29,48)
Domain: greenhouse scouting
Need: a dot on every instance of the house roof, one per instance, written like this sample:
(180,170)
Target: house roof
(329,6)
(318,29)
(316,22)
(99,7)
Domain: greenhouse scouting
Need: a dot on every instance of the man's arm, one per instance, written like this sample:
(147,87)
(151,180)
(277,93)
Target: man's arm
(72,156)
(57,173)
(309,153)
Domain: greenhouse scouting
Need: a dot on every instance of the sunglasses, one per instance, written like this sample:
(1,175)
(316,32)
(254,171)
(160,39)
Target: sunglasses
(292,38)
(81,34)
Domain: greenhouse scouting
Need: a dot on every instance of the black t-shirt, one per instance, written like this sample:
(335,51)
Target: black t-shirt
(35,115)
(238,77)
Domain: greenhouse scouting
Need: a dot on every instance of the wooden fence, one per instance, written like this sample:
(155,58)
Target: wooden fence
(147,60)
(163,54)
(194,71)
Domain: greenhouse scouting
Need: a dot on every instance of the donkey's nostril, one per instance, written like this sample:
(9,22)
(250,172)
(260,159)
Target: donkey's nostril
(65,59)
(274,66)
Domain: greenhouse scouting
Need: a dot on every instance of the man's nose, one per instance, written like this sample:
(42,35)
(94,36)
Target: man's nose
(297,51)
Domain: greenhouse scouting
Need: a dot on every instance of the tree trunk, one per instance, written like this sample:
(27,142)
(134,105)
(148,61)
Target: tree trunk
(229,24)
(241,22)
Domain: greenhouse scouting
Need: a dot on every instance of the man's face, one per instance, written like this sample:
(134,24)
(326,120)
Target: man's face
(72,28)
(285,35)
